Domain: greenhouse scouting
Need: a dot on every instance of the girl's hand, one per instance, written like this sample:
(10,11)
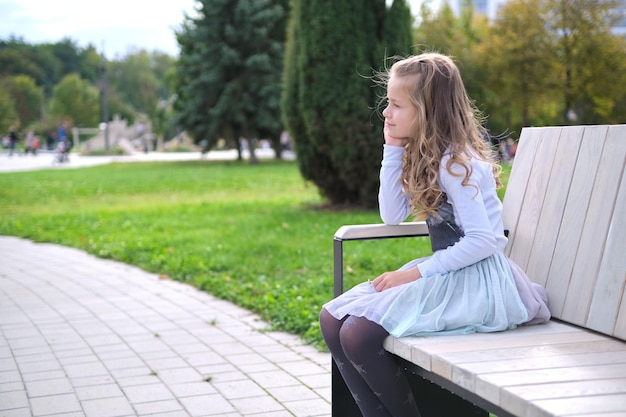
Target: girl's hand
(392,141)
(395,278)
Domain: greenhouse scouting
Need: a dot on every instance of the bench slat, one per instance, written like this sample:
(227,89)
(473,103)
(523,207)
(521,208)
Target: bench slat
(527,361)
(609,291)
(519,181)
(554,375)
(549,224)
(498,359)
(516,398)
(588,274)
(575,216)
(597,406)
(533,196)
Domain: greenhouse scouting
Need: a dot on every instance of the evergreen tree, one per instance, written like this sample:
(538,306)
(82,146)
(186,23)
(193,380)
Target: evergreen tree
(329,102)
(229,71)
(398,37)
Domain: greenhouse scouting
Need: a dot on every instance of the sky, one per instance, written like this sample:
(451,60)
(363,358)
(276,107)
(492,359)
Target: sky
(115,27)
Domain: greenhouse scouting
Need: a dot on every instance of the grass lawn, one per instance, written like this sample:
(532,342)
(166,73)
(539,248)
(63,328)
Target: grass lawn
(255,235)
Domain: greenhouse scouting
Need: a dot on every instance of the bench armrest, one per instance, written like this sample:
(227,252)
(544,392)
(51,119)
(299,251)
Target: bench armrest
(369,232)
(381,231)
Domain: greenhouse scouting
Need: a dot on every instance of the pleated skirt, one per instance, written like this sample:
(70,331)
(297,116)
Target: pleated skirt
(482,297)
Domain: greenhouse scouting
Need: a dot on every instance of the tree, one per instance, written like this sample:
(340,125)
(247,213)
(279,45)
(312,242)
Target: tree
(47,63)
(26,96)
(437,31)
(521,58)
(8,116)
(462,38)
(332,50)
(229,71)
(580,29)
(605,96)
(16,58)
(76,99)
(398,36)
(134,81)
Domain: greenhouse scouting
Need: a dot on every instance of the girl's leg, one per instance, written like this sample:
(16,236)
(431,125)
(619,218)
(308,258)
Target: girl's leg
(362,342)
(371,373)
(368,403)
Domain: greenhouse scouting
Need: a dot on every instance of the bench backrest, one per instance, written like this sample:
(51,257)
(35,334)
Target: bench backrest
(565,208)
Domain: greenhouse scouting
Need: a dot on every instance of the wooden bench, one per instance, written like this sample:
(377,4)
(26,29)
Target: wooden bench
(565,212)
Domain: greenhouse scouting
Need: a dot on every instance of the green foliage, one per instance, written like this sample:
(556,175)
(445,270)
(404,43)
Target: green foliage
(229,70)
(536,61)
(74,59)
(335,48)
(398,36)
(75,98)
(8,115)
(48,63)
(136,85)
(26,96)
(520,46)
(134,81)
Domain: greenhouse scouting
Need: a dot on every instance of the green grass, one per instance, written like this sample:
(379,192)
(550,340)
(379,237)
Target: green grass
(254,235)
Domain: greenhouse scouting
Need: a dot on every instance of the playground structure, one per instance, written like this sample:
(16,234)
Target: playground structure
(115,135)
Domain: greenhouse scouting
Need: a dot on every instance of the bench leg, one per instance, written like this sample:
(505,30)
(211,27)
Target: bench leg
(435,401)
(343,403)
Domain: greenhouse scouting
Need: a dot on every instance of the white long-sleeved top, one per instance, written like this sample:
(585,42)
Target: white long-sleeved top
(477,210)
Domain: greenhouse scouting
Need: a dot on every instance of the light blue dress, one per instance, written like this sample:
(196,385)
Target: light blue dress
(468,284)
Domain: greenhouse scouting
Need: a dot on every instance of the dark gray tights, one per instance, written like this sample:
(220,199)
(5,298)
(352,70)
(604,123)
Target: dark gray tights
(372,375)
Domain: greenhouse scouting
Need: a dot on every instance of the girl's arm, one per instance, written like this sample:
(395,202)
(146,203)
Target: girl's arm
(393,203)
(479,241)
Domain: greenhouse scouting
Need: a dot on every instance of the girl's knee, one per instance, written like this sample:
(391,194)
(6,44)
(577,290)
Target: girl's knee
(329,325)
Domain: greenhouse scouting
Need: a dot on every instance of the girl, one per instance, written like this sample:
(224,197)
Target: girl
(436,165)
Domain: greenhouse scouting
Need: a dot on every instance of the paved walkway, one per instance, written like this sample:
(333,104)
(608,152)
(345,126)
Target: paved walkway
(81,336)
(46,160)
(86,337)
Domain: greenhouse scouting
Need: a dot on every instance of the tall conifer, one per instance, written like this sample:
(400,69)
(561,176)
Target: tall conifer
(329,102)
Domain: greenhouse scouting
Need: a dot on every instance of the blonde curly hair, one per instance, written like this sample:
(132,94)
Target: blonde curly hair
(447,122)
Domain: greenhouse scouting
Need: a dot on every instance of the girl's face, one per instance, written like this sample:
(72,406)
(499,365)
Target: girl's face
(400,112)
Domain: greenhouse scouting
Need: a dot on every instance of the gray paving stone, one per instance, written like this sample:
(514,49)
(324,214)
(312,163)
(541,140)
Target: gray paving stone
(273,379)
(263,404)
(315,407)
(12,400)
(148,393)
(108,407)
(207,405)
(49,387)
(239,389)
(96,392)
(149,408)
(18,412)
(192,389)
(55,404)
(293,393)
